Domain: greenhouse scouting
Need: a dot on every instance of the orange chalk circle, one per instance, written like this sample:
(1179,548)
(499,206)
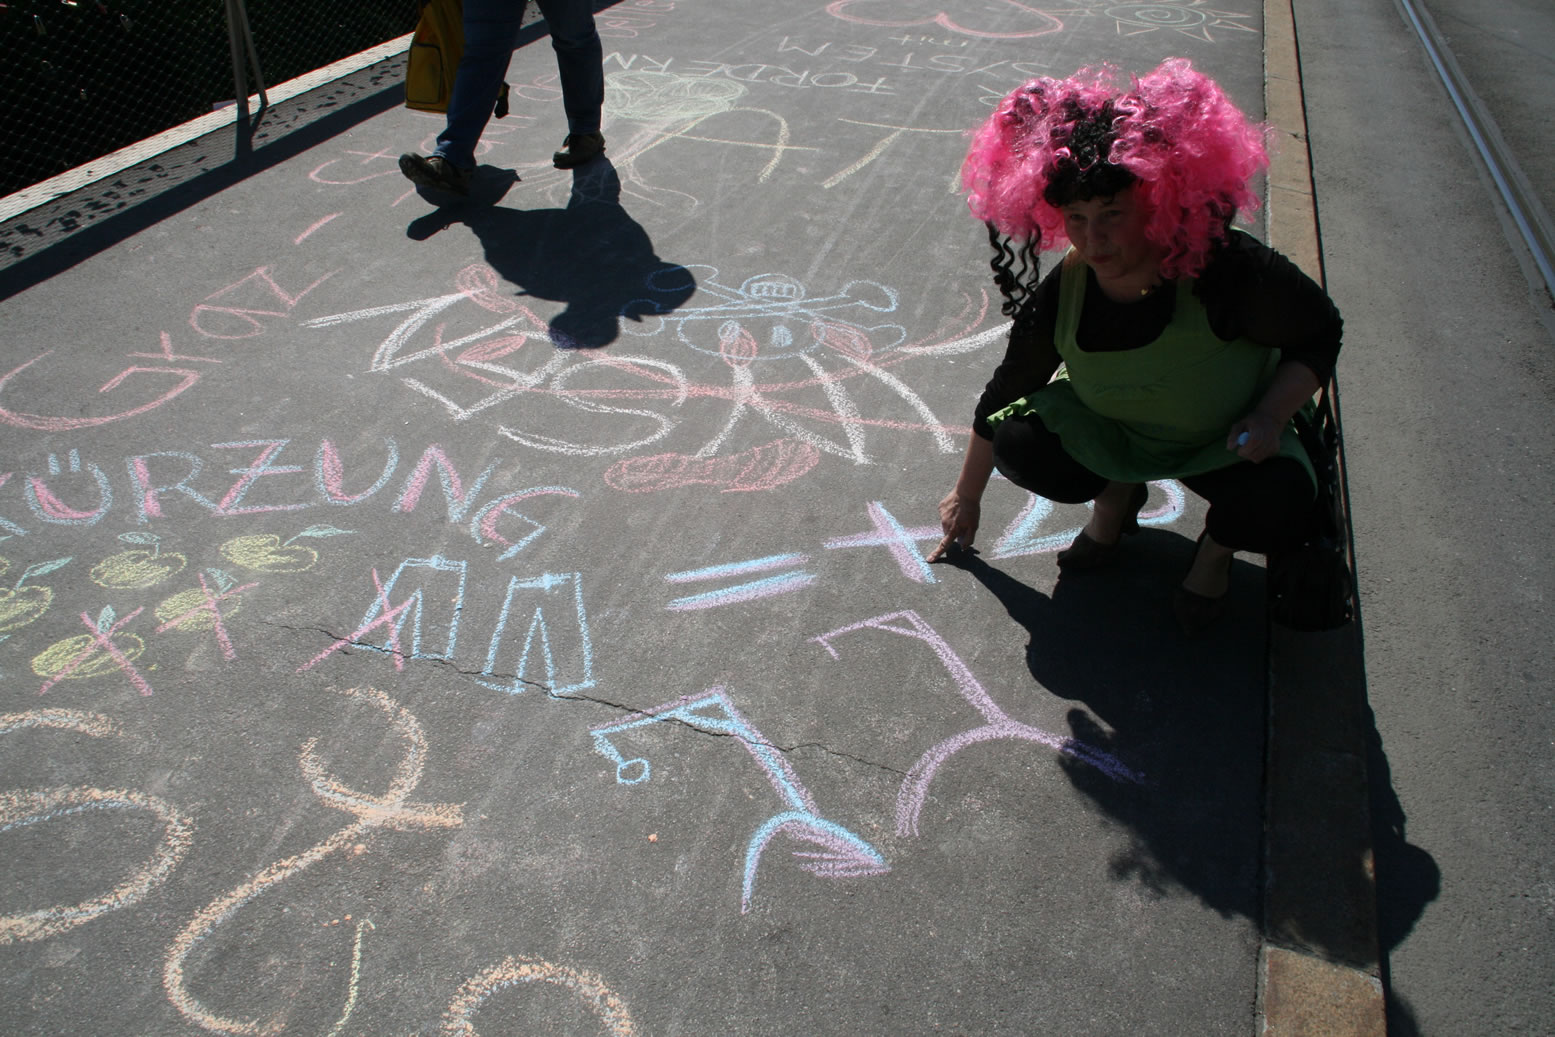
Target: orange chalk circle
(589,988)
(39,806)
(19,808)
(22,807)
(94,724)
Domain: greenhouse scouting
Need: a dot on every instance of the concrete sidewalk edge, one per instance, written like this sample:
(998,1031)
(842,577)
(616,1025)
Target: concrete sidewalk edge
(1318,970)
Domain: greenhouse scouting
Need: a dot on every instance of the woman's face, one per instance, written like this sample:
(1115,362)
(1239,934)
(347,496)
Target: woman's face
(1109,234)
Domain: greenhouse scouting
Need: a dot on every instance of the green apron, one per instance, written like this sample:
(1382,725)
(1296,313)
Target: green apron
(1158,412)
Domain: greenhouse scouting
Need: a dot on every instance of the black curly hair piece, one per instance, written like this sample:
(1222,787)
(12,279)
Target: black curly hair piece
(1085,170)
(1017,269)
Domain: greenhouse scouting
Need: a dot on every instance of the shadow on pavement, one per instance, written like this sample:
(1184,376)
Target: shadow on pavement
(1184,712)
(1181,711)
(1408,877)
(590,255)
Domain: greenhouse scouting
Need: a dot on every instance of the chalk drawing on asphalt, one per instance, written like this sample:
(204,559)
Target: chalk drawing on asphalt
(1192,18)
(811,350)
(997,725)
(558,673)
(105,648)
(987,20)
(1023,536)
(518,969)
(139,567)
(828,849)
(392,810)
(23,603)
(21,808)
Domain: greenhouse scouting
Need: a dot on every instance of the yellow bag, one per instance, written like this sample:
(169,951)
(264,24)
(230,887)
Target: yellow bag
(433,62)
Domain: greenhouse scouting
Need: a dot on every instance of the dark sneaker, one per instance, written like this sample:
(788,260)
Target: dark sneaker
(578,148)
(435,171)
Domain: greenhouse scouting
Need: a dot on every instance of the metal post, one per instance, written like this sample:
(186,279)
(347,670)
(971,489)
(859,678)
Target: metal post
(242,41)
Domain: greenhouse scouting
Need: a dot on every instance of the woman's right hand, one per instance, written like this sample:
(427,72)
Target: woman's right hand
(958,517)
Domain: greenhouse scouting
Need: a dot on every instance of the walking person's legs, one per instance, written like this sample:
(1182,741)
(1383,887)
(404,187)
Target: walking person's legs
(490,30)
(580,62)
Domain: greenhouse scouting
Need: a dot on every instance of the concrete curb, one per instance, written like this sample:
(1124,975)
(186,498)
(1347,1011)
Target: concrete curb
(1318,970)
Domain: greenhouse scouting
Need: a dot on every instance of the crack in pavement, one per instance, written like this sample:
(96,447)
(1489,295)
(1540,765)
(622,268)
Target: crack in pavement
(621,707)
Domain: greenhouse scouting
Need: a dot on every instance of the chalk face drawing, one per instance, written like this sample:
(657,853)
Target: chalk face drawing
(997,726)
(809,350)
(828,849)
(22,808)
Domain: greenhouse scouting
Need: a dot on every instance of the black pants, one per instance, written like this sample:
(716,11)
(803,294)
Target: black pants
(1252,507)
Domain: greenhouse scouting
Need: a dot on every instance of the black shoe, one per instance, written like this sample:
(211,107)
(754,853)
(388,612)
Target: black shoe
(577,149)
(436,172)
(1086,553)
(1197,612)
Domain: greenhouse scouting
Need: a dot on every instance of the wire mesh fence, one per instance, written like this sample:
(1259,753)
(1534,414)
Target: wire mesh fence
(83,78)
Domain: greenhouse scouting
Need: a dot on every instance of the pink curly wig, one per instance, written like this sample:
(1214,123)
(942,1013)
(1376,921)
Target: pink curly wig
(1173,135)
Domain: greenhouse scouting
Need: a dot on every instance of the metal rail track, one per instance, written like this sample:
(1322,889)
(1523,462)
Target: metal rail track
(1528,214)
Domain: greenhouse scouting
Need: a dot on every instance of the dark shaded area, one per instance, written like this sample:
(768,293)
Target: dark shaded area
(590,255)
(1405,878)
(1408,877)
(84,79)
(1173,708)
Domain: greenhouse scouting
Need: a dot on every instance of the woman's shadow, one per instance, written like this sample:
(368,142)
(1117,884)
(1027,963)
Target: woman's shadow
(1183,712)
(590,255)
(1186,713)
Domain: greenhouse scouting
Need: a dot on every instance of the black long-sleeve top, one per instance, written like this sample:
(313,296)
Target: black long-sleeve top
(1248,290)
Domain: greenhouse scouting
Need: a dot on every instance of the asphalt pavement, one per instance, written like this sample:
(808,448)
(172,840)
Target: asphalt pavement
(1448,386)
(512,614)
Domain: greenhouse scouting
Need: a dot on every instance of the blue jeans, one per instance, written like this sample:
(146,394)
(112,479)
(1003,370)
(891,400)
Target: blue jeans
(490,31)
